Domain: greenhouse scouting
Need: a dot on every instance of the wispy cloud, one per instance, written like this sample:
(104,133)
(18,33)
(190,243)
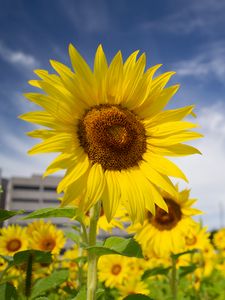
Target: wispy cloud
(209,61)
(86,15)
(17,57)
(192,16)
(206,172)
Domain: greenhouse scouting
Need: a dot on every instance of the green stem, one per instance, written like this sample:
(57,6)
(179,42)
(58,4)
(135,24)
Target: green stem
(174,281)
(92,257)
(28,280)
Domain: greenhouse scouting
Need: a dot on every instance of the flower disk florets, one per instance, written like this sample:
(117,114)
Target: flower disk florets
(112,136)
(166,221)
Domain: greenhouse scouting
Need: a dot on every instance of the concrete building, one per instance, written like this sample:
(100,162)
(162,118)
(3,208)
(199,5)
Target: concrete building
(30,194)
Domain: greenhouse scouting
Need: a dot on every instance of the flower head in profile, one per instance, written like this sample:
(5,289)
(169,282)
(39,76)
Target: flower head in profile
(111,130)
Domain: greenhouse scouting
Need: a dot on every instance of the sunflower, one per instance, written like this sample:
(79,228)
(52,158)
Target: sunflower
(197,238)
(133,286)
(219,239)
(111,131)
(13,239)
(164,233)
(45,237)
(113,270)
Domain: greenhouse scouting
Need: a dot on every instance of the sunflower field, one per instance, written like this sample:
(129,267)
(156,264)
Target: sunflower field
(114,136)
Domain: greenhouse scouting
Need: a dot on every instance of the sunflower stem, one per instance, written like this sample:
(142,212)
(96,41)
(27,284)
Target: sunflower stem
(92,257)
(28,280)
(174,282)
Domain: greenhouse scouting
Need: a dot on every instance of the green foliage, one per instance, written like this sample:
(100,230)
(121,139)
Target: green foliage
(38,256)
(176,256)
(8,292)
(52,212)
(82,294)
(137,297)
(45,284)
(118,245)
(155,271)
(184,270)
(6,214)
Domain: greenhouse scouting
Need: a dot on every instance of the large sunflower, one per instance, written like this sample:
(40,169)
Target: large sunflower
(111,132)
(164,233)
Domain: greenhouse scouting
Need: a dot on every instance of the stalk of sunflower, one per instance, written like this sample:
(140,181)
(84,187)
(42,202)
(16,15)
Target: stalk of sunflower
(111,131)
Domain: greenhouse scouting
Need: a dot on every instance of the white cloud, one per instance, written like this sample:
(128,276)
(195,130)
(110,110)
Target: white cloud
(17,58)
(210,61)
(206,172)
(86,15)
(194,15)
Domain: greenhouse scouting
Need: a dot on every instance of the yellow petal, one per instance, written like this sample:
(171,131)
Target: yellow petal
(170,115)
(72,174)
(95,186)
(57,143)
(175,150)
(156,178)
(164,166)
(39,117)
(168,128)
(114,79)
(111,197)
(174,139)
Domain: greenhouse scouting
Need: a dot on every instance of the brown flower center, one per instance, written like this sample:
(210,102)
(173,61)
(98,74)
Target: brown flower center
(190,240)
(48,244)
(166,221)
(116,269)
(13,245)
(112,136)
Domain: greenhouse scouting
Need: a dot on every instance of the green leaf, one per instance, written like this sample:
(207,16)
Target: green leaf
(82,294)
(8,259)
(38,256)
(176,256)
(155,271)
(50,282)
(99,293)
(6,214)
(184,270)
(51,212)
(73,236)
(137,297)
(8,292)
(118,245)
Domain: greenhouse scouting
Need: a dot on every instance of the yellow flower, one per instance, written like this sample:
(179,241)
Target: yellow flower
(197,238)
(133,286)
(113,270)
(13,239)
(111,131)
(164,233)
(219,239)
(45,237)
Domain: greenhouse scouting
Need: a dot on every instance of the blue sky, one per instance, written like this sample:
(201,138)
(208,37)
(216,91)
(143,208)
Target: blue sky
(185,36)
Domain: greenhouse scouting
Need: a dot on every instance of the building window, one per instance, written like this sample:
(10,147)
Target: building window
(26,187)
(50,188)
(51,201)
(24,200)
